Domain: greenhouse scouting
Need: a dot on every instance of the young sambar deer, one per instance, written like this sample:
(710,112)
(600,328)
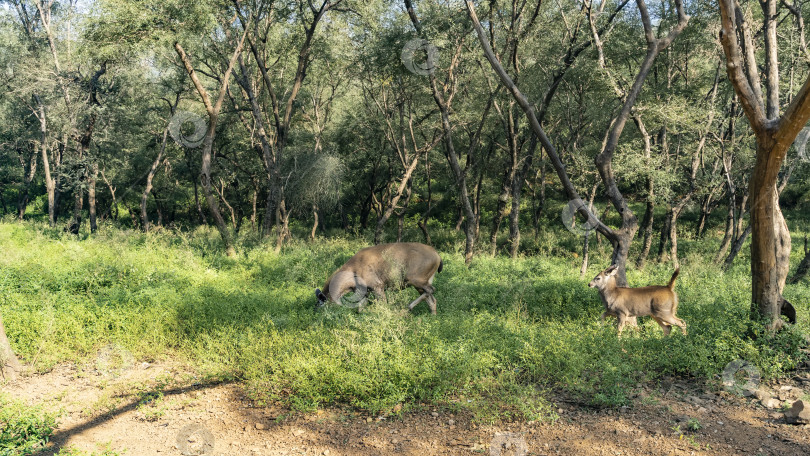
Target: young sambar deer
(658,302)
(384,266)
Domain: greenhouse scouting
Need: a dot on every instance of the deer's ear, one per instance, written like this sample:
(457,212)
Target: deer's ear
(613,269)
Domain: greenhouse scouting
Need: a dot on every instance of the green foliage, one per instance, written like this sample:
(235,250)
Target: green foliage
(507,333)
(73,451)
(23,430)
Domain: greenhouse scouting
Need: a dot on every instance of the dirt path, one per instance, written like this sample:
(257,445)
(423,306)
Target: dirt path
(162,409)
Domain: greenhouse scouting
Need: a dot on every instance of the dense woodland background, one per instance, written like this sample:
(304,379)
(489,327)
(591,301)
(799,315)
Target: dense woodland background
(299,120)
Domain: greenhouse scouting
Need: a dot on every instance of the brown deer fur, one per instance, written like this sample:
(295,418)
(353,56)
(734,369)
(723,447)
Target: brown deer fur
(383,266)
(659,302)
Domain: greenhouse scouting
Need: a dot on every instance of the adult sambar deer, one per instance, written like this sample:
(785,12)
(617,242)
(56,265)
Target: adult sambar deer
(384,266)
(659,302)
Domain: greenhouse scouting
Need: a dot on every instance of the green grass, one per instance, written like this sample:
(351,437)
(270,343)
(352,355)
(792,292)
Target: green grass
(23,429)
(73,451)
(508,333)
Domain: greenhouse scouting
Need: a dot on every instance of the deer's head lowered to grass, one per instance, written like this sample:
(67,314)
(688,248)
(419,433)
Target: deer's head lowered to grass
(384,266)
(659,302)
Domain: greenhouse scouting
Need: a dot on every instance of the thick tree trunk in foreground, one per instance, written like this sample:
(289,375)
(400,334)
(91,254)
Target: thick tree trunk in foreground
(770,248)
(770,239)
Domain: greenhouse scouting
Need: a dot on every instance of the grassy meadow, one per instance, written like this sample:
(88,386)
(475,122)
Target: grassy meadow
(508,334)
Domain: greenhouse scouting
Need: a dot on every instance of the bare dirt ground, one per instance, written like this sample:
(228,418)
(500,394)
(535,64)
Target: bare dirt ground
(160,409)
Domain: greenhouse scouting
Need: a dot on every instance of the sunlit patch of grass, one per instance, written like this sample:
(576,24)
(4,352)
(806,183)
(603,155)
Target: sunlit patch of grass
(24,430)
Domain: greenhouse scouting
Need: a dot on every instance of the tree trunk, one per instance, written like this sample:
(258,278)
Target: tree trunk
(517,191)
(113,210)
(450,151)
(315,223)
(587,237)
(770,240)
(221,193)
(729,233)
(664,237)
(284,225)
(213,204)
(423,221)
(91,196)
(514,215)
(735,249)
(500,211)
(541,201)
(28,176)
(197,204)
(673,237)
(78,203)
(50,182)
(392,204)
(208,142)
(647,228)
(151,175)
(401,212)
(647,220)
(704,214)
(158,208)
(254,202)
(770,247)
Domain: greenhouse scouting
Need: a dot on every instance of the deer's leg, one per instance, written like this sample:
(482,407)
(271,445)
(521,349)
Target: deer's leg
(674,321)
(667,328)
(432,303)
(602,317)
(425,287)
(623,319)
(416,301)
